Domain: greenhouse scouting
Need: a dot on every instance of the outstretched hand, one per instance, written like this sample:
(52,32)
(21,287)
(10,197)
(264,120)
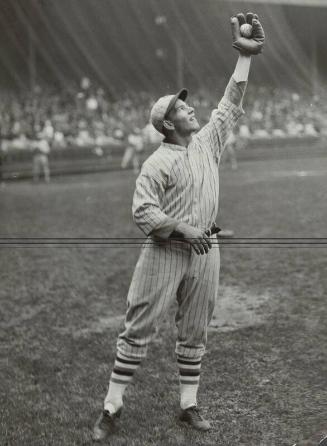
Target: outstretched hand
(252,45)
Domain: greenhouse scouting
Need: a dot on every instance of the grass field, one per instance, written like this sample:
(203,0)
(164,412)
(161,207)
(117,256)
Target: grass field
(263,384)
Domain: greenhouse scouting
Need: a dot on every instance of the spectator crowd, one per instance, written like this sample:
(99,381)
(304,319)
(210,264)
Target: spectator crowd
(276,112)
(77,117)
(86,116)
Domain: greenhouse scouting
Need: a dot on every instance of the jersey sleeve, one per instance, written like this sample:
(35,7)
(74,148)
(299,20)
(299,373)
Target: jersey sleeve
(214,135)
(147,206)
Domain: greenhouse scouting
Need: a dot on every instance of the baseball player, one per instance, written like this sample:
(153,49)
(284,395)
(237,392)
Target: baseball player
(175,204)
(41,150)
(135,145)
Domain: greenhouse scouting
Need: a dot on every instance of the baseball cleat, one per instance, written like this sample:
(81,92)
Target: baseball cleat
(192,416)
(105,425)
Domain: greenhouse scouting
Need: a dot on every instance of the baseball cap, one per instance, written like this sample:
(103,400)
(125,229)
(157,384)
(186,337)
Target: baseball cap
(163,106)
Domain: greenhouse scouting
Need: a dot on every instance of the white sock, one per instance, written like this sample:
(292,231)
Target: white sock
(188,395)
(189,378)
(121,376)
(114,398)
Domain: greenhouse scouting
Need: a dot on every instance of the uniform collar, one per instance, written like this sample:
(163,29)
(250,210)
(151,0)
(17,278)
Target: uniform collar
(166,145)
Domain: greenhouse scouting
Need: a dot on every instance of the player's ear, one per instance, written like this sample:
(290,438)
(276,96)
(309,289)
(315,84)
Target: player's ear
(168,125)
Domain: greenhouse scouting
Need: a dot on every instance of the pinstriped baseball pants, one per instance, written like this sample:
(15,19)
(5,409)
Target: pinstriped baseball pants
(164,274)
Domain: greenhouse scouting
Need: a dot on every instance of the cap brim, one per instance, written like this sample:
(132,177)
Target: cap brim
(182,94)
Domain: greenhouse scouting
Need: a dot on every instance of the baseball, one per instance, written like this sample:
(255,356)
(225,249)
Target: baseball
(246,30)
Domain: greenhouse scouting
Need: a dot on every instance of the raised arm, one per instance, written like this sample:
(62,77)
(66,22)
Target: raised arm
(229,109)
(247,46)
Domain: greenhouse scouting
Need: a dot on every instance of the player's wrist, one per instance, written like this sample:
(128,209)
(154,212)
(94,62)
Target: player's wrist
(182,228)
(242,68)
(187,231)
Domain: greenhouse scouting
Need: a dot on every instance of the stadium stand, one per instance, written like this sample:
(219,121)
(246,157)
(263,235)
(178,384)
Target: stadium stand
(86,94)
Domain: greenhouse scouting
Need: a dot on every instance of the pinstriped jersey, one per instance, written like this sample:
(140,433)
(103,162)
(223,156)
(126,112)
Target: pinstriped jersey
(181,184)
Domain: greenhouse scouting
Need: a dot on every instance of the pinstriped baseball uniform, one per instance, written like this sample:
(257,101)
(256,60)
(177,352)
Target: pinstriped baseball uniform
(178,184)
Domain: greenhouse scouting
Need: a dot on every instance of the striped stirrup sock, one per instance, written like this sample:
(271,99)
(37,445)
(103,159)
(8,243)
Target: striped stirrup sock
(189,378)
(121,376)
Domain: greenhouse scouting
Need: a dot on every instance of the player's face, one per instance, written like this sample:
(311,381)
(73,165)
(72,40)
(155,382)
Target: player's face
(183,118)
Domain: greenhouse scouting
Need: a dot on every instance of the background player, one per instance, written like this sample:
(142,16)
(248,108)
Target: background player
(41,150)
(175,202)
(135,146)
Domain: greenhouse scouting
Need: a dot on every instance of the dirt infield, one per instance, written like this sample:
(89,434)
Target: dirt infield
(264,375)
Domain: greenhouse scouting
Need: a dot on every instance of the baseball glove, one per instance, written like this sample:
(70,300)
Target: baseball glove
(248,46)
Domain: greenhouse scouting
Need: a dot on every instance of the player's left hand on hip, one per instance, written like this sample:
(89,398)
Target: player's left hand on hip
(214,229)
(247,45)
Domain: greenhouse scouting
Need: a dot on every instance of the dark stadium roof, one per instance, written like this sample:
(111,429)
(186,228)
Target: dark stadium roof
(130,44)
(311,3)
